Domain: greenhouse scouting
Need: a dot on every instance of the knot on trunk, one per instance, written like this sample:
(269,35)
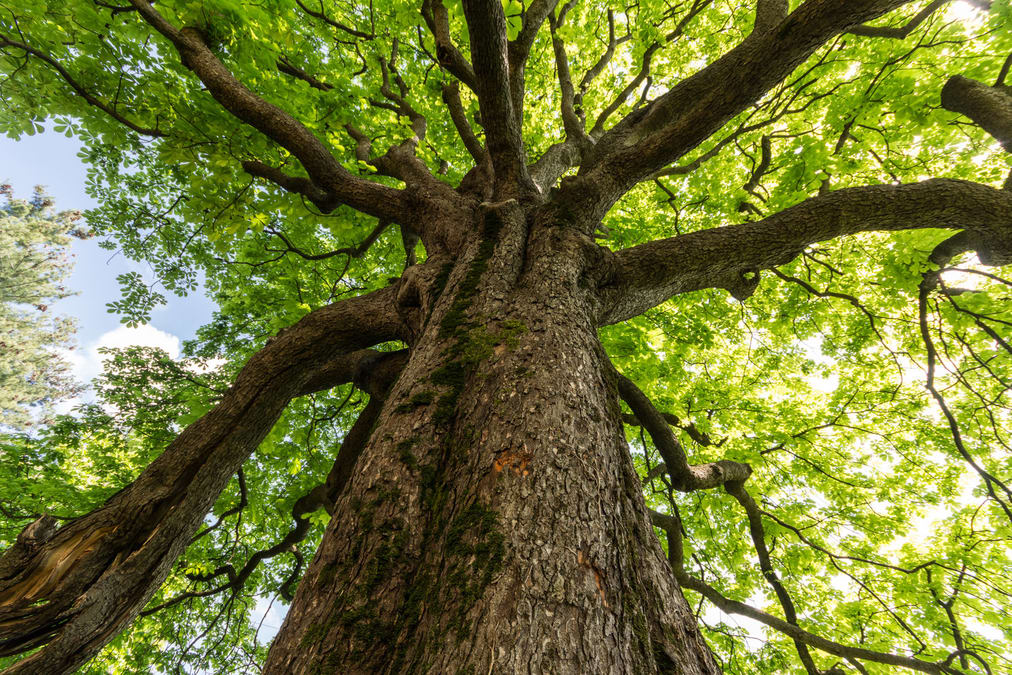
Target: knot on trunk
(741,284)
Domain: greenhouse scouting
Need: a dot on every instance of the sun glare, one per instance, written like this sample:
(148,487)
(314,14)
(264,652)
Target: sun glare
(965,13)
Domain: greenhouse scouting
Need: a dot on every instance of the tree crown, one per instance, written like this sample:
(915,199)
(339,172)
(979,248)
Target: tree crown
(777,150)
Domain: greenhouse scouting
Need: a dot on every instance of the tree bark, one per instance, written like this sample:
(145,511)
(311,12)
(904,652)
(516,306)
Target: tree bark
(495,521)
(989,107)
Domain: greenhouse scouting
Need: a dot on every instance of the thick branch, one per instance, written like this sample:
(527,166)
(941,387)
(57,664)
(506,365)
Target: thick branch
(388,68)
(399,161)
(571,121)
(649,139)
(374,373)
(693,432)
(451,97)
(520,48)
(325,171)
(988,107)
(438,20)
(731,257)
(534,17)
(684,477)
(558,159)
(768,15)
(299,185)
(486,25)
(605,58)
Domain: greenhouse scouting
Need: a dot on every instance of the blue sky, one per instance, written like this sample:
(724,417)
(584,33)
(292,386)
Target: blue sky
(50,159)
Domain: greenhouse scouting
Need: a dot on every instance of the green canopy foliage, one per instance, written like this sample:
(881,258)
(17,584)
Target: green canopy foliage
(872,406)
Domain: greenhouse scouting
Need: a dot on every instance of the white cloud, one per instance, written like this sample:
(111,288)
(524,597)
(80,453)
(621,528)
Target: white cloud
(86,363)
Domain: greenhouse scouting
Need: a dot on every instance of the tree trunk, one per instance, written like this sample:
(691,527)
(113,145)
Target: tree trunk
(495,522)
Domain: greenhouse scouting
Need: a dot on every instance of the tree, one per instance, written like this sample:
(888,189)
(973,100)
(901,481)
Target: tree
(782,201)
(33,266)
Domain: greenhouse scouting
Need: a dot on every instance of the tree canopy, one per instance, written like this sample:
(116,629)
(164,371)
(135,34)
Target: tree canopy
(34,265)
(845,343)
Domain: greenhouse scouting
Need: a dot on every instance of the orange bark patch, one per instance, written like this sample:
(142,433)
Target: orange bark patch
(584,560)
(514,460)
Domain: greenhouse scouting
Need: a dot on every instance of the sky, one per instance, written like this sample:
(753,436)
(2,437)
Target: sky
(50,159)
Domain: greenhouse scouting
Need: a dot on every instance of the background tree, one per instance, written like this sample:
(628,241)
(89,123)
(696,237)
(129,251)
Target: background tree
(34,263)
(505,291)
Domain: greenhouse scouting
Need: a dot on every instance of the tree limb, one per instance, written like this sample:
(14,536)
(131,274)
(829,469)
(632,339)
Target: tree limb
(375,375)
(322,16)
(671,525)
(519,50)
(649,139)
(324,171)
(534,17)
(571,121)
(988,107)
(351,251)
(486,25)
(243,502)
(323,200)
(451,97)
(288,68)
(450,59)
(940,257)
(768,15)
(755,527)
(693,432)
(899,32)
(604,60)
(557,159)
(684,477)
(731,257)
(79,88)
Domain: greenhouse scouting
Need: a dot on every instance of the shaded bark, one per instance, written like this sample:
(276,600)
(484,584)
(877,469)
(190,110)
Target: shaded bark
(486,23)
(988,107)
